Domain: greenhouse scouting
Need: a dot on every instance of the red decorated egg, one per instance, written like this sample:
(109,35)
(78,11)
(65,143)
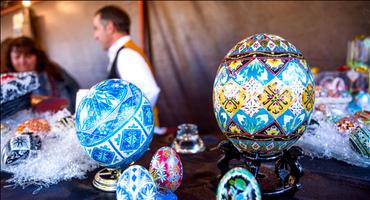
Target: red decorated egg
(166,169)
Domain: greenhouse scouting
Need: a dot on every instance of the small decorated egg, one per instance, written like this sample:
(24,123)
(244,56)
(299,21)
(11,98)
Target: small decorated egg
(136,183)
(34,126)
(238,183)
(362,99)
(20,148)
(346,125)
(353,107)
(360,141)
(166,196)
(66,122)
(363,117)
(166,169)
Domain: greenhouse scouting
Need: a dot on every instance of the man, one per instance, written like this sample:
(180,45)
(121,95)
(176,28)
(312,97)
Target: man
(126,60)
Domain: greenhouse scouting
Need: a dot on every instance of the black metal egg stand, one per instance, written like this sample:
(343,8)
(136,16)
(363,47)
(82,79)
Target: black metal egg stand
(287,168)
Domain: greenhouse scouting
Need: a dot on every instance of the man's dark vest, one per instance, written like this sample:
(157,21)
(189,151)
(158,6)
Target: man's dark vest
(113,70)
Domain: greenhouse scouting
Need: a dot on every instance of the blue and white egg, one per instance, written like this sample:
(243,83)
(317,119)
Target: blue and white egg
(115,123)
(136,183)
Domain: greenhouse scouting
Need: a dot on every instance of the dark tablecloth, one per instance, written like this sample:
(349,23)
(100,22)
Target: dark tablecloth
(322,179)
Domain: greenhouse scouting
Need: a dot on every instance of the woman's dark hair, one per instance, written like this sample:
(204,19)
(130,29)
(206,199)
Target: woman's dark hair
(26,45)
(4,47)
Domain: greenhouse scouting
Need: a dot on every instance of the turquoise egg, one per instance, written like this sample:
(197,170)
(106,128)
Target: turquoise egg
(263,94)
(114,123)
(360,140)
(362,100)
(238,184)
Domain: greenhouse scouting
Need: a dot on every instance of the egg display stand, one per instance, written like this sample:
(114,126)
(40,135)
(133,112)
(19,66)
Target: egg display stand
(287,168)
(106,179)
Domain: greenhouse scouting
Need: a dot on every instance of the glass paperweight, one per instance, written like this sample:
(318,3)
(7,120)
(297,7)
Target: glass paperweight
(188,140)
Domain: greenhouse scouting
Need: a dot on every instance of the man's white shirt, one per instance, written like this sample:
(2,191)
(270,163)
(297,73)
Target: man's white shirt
(131,67)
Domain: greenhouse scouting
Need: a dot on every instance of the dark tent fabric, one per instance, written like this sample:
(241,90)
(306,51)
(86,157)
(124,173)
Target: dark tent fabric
(189,40)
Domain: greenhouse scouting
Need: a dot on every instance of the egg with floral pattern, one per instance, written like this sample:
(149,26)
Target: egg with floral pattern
(263,95)
(166,169)
(115,123)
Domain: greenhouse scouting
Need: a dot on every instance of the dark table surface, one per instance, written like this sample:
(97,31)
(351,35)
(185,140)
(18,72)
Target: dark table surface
(322,179)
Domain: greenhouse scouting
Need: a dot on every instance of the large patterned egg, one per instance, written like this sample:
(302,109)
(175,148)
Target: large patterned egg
(136,183)
(238,183)
(263,94)
(166,169)
(114,123)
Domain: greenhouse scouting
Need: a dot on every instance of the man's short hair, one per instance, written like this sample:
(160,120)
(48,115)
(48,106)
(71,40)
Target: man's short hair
(117,16)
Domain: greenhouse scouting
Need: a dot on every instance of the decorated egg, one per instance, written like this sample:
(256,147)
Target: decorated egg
(360,141)
(19,148)
(166,196)
(346,124)
(34,125)
(362,99)
(166,169)
(263,94)
(66,122)
(238,183)
(114,123)
(136,183)
(363,117)
(353,107)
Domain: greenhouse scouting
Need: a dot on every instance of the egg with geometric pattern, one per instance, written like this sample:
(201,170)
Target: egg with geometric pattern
(114,123)
(263,95)
(136,183)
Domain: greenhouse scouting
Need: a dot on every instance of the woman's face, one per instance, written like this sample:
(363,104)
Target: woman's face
(23,62)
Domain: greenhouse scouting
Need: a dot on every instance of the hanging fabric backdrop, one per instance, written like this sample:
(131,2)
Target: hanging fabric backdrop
(189,40)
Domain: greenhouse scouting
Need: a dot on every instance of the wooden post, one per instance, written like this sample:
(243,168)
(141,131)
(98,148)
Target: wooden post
(141,24)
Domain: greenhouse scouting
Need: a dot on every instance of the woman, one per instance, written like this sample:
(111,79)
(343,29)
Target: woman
(23,55)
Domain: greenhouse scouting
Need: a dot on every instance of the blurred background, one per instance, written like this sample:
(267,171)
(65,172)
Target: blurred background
(186,40)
